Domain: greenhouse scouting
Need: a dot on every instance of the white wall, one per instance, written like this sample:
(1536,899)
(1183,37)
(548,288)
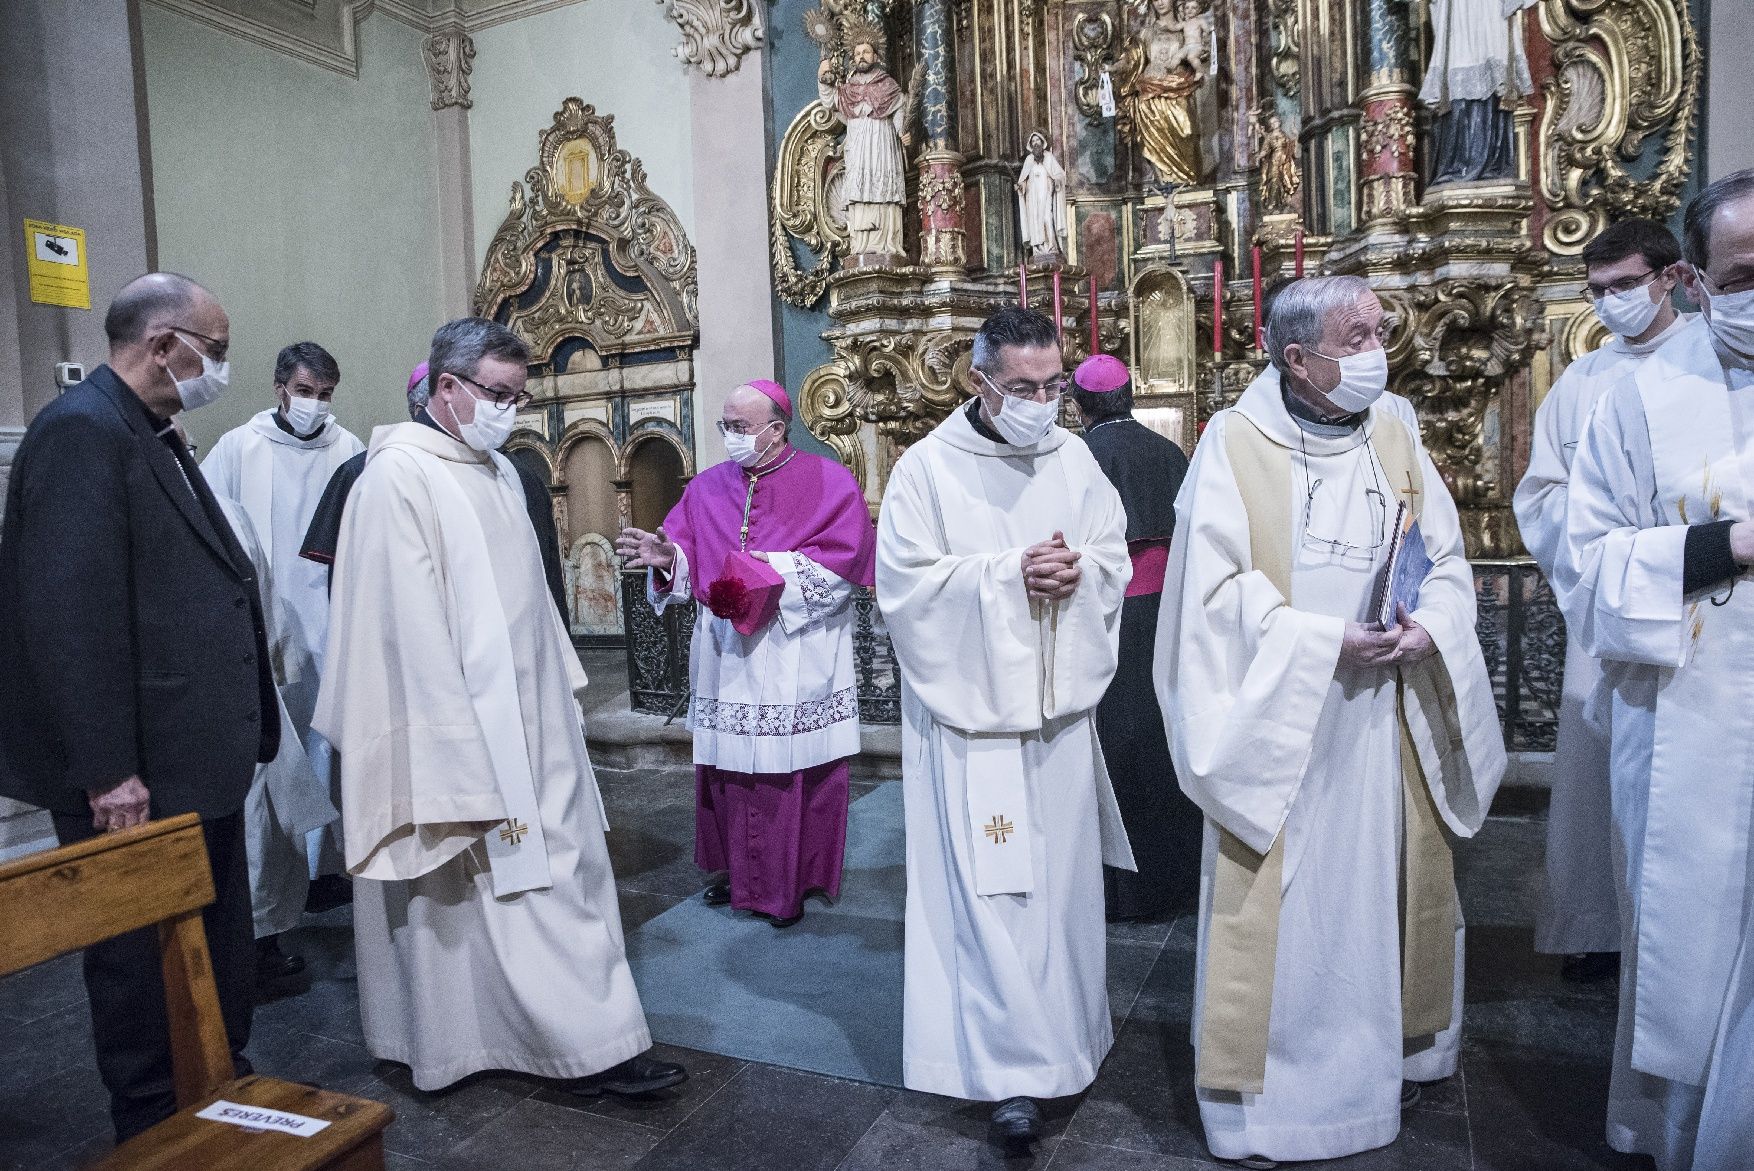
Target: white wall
(306,200)
(615,55)
(1729,99)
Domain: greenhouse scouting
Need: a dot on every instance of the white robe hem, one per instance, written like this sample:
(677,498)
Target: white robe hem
(429,1078)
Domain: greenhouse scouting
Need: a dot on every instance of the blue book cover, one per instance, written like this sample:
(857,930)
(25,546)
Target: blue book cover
(1405,572)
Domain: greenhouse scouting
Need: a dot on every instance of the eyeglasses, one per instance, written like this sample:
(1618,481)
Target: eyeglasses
(741,428)
(1047,391)
(500,398)
(1623,285)
(215,348)
(1375,496)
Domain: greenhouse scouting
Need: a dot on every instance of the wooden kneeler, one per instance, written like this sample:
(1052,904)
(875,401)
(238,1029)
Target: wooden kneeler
(63,900)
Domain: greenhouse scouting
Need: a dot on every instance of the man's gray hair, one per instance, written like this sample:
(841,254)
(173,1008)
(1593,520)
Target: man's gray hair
(1696,227)
(459,346)
(419,393)
(1297,315)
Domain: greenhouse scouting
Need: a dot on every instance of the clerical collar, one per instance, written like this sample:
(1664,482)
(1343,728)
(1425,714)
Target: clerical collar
(1301,412)
(421,416)
(757,473)
(280,422)
(980,424)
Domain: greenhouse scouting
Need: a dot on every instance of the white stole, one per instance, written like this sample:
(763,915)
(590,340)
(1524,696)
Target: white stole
(517,851)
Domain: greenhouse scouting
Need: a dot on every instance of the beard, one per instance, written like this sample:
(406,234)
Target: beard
(864,66)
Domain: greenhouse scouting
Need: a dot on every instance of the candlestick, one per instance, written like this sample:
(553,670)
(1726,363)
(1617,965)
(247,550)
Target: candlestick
(1058,305)
(1255,260)
(1218,308)
(1022,285)
(1297,269)
(1095,345)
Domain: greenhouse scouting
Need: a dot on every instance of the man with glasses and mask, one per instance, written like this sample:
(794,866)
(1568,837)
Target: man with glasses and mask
(1327,752)
(486,928)
(276,466)
(774,701)
(1001,567)
(1632,269)
(134,665)
(1659,534)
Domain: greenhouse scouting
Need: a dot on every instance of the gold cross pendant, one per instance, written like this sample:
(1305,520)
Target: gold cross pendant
(1409,489)
(1000,829)
(514,832)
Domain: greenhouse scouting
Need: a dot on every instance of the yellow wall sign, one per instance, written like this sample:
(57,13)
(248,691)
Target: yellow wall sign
(55,257)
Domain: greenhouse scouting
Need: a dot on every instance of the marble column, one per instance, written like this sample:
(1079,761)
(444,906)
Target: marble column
(450,56)
(1386,141)
(943,245)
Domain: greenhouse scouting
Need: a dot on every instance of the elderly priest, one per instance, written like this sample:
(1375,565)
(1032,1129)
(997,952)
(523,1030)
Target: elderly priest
(1001,565)
(1328,749)
(488,935)
(1660,525)
(772,542)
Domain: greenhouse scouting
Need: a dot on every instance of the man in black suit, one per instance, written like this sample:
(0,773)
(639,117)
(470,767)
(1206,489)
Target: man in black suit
(134,673)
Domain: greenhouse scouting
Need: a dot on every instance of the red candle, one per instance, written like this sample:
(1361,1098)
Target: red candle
(1297,269)
(1022,285)
(1218,308)
(1058,305)
(1255,259)
(1095,346)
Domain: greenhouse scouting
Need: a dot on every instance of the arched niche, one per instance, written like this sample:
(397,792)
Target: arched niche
(656,475)
(1163,357)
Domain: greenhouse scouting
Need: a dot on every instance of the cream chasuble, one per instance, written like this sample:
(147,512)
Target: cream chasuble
(286,800)
(487,938)
(1668,448)
(1323,786)
(1579,909)
(1009,811)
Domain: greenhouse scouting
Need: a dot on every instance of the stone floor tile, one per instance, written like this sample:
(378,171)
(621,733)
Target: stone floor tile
(1129,964)
(708,1073)
(1143,1098)
(540,1135)
(41,991)
(1539,1112)
(1429,1141)
(925,1132)
(51,1115)
(640,907)
(1449,1096)
(1078,1156)
(1499,871)
(294,1055)
(771,1119)
(429,1126)
(1143,930)
(46,1046)
(653,853)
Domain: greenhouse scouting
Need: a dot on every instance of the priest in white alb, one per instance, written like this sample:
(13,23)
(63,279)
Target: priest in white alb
(1660,524)
(486,927)
(1001,567)
(1631,269)
(276,466)
(1329,751)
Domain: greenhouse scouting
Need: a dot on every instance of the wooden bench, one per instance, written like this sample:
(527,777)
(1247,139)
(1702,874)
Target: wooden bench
(63,900)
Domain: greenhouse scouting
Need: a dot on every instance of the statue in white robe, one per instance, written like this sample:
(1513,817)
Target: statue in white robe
(1664,456)
(1323,784)
(279,479)
(486,926)
(1579,910)
(1010,816)
(1041,200)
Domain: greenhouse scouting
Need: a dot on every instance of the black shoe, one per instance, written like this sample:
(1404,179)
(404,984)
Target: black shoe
(635,1076)
(716,895)
(1411,1092)
(274,966)
(1590,967)
(788,921)
(1255,1163)
(327,892)
(1017,1120)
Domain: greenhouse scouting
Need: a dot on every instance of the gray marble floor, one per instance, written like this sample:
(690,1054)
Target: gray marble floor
(1530,1093)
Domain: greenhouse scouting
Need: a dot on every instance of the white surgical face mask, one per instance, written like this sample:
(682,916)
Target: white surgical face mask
(1628,314)
(1731,318)
(1024,422)
(491,426)
(197,392)
(305,415)
(1363,378)
(742,450)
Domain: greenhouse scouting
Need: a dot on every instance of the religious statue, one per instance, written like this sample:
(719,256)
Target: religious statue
(1041,201)
(1477,75)
(1176,46)
(877,113)
(1276,154)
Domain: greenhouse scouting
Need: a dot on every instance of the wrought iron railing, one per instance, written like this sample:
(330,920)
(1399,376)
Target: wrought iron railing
(1520,632)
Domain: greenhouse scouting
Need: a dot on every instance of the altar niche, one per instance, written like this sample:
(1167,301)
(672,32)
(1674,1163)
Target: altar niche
(593,271)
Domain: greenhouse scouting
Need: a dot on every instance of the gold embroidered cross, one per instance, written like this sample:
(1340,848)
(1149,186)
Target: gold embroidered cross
(514,832)
(1000,829)
(1410,490)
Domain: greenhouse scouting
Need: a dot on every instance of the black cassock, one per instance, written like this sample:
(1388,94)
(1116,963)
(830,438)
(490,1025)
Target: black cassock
(1164,826)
